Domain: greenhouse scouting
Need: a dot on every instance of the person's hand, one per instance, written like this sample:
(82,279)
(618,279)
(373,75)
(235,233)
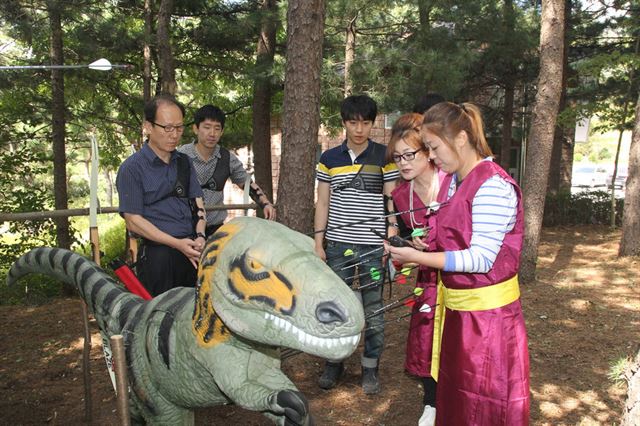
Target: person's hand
(401,254)
(200,242)
(321,253)
(190,249)
(419,244)
(269,212)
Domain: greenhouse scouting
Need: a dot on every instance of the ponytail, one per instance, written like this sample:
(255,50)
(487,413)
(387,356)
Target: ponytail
(476,135)
(446,120)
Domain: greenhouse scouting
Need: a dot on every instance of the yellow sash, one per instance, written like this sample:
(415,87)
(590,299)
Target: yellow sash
(473,299)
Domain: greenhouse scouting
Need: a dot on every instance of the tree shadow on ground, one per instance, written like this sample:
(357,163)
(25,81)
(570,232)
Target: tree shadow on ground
(586,317)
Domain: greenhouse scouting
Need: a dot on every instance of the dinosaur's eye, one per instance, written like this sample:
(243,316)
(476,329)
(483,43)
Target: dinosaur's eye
(255,265)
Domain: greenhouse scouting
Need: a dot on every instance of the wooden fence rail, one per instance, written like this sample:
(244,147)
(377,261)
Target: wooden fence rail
(20,217)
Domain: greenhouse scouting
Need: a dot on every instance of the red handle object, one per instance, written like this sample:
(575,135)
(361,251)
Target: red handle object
(129,279)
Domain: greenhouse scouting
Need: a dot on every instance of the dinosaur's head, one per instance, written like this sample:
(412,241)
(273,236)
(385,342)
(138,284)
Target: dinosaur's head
(264,282)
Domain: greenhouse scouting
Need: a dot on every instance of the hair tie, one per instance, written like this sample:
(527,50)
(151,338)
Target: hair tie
(463,108)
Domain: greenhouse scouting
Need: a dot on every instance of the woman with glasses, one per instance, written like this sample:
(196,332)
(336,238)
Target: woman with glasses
(480,357)
(417,188)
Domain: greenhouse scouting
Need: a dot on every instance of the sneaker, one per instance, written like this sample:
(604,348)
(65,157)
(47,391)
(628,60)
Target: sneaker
(428,417)
(370,382)
(331,374)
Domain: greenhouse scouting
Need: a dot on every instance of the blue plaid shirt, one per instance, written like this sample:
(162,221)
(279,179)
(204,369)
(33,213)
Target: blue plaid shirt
(143,179)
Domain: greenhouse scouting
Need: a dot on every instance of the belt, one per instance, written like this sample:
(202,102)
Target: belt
(473,299)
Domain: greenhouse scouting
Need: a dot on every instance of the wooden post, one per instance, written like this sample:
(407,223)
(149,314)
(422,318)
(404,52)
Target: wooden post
(86,368)
(122,384)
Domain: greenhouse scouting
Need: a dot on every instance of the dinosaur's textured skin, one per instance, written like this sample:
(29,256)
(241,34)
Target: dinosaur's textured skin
(260,287)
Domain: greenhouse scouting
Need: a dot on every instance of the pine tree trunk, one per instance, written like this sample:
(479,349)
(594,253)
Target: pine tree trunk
(507,125)
(58,126)
(424,14)
(146,51)
(540,139)
(109,186)
(566,156)
(425,7)
(556,168)
(508,23)
(262,97)
(553,185)
(301,118)
(630,242)
(349,55)
(165,56)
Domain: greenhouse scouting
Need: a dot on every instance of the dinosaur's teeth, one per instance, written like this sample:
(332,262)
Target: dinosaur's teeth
(307,339)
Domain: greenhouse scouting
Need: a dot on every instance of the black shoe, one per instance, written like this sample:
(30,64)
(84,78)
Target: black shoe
(331,374)
(370,382)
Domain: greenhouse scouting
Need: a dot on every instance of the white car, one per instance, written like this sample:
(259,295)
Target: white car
(591,176)
(621,176)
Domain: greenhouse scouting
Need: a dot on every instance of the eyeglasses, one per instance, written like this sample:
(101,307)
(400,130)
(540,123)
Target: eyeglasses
(170,128)
(407,156)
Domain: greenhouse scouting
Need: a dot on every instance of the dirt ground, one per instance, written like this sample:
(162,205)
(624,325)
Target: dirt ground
(583,315)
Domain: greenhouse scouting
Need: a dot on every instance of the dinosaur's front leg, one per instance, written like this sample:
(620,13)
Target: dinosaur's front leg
(295,406)
(256,383)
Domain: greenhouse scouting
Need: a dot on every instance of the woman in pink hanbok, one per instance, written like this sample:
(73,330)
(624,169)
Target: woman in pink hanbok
(415,191)
(480,358)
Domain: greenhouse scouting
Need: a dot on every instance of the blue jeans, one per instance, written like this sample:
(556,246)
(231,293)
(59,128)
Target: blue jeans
(367,271)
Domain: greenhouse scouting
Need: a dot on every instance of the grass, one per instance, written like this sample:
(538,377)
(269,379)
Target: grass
(618,369)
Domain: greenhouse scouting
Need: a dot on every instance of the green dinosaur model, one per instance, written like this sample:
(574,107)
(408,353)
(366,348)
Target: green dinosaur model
(260,287)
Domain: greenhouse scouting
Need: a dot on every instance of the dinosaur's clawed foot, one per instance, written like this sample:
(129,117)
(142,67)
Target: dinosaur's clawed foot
(296,408)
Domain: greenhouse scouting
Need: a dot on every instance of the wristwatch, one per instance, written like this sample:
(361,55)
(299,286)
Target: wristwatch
(200,234)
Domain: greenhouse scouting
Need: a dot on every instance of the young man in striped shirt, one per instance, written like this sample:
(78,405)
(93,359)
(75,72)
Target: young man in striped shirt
(352,181)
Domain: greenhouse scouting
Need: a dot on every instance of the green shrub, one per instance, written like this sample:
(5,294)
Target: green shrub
(112,243)
(583,208)
(38,289)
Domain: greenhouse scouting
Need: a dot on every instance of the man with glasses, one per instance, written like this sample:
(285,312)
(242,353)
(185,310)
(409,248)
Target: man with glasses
(161,201)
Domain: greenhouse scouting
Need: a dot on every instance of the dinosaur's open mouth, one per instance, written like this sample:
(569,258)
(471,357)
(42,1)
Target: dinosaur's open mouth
(307,339)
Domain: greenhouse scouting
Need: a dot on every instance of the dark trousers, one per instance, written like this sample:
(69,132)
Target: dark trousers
(429,387)
(162,268)
(366,258)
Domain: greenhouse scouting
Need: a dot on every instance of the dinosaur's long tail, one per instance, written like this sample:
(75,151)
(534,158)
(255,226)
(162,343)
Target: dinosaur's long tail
(108,301)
